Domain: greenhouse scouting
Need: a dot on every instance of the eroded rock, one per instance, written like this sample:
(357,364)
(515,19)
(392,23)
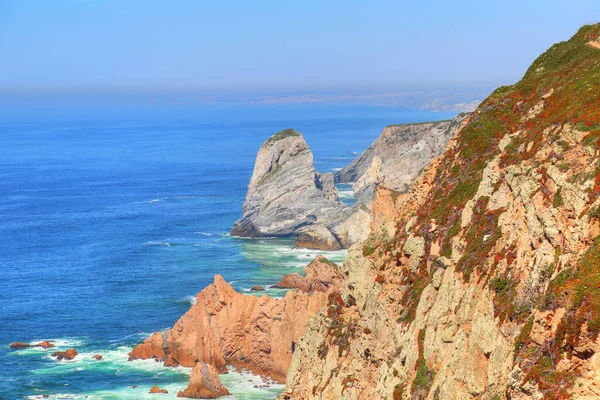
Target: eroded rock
(204,383)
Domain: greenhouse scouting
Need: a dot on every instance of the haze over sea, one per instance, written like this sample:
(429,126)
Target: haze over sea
(113,218)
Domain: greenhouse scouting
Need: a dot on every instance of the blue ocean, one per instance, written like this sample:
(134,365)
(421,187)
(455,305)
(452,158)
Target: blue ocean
(113,218)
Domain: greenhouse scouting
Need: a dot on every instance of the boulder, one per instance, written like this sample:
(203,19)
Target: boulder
(155,389)
(317,237)
(204,384)
(293,281)
(97,357)
(45,344)
(69,354)
(322,275)
(19,345)
(257,288)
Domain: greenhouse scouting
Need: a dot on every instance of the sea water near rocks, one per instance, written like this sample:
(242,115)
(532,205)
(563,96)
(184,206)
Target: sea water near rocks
(112,219)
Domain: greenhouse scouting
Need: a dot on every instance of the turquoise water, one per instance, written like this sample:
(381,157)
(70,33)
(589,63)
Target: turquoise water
(112,219)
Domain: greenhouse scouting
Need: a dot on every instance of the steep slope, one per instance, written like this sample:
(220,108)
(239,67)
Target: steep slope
(286,192)
(483,280)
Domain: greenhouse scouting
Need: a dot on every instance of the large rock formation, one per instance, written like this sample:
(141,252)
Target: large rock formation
(286,192)
(204,383)
(393,161)
(226,327)
(287,196)
(482,281)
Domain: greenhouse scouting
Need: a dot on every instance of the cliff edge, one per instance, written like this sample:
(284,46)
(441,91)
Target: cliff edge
(481,282)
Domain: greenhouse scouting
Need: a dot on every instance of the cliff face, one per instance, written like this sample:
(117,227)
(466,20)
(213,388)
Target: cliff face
(482,281)
(399,154)
(286,192)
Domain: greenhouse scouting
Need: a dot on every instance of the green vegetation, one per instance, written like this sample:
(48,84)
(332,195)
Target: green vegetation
(369,247)
(286,133)
(558,200)
(424,378)
(269,175)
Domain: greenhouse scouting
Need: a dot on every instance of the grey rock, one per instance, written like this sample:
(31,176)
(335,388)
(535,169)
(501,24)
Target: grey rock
(398,156)
(286,193)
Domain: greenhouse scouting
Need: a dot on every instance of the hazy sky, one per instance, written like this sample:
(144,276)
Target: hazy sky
(277,45)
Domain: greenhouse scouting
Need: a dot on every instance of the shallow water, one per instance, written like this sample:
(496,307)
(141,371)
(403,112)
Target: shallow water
(112,222)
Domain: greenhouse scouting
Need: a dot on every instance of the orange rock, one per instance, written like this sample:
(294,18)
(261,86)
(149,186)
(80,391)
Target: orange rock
(69,354)
(19,345)
(321,275)
(156,389)
(97,357)
(204,384)
(246,331)
(293,281)
(45,344)
(257,288)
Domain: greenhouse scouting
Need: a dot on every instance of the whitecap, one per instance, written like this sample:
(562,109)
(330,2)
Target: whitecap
(191,300)
(157,243)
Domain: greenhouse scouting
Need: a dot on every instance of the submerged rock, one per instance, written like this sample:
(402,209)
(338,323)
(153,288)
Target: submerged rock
(69,354)
(45,344)
(97,357)
(286,192)
(204,383)
(257,288)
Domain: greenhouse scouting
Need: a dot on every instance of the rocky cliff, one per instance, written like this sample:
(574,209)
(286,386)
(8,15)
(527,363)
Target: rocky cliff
(288,197)
(226,327)
(482,281)
(398,155)
(286,192)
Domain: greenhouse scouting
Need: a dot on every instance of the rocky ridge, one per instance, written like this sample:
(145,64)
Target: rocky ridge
(225,327)
(481,282)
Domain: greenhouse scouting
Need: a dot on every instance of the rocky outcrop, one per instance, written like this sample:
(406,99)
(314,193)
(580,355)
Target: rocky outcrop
(97,357)
(481,281)
(286,193)
(156,390)
(288,197)
(21,345)
(68,354)
(226,327)
(322,275)
(204,384)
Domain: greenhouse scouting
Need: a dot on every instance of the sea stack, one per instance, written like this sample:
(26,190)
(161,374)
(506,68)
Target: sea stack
(286,193)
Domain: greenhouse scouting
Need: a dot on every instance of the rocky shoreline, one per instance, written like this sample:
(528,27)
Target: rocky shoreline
(478,281)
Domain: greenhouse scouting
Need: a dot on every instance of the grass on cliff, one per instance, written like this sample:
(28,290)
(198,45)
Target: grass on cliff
(283,134)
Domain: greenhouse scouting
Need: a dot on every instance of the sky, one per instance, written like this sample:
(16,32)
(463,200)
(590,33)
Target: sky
(277,46)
